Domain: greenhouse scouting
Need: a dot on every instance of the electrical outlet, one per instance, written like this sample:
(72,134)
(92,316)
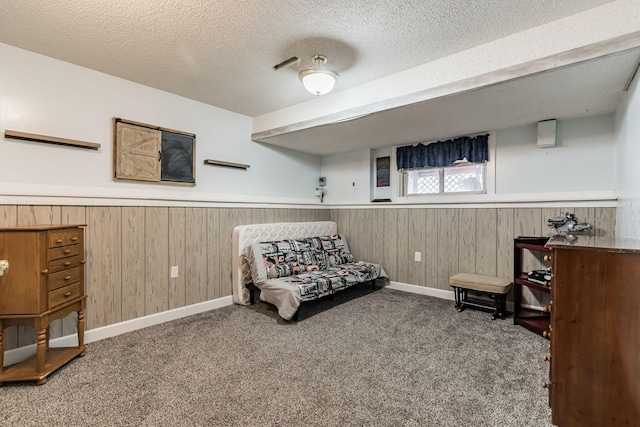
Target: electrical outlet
(418,256)
(174,271)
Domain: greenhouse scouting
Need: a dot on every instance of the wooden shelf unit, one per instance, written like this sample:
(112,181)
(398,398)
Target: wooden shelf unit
(536,321)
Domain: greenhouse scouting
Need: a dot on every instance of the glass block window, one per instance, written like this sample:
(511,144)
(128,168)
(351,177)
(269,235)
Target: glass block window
(464,178)
(423,181)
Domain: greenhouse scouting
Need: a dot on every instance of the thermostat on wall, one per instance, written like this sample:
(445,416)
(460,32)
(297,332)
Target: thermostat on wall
(322,181)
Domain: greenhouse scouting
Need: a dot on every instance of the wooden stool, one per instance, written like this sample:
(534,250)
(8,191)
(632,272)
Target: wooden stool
(493,287)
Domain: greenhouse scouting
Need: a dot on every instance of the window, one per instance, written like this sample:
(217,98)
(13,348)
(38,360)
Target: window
(462,178)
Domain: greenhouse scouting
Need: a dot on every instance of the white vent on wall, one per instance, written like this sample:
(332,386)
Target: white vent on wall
(547,133)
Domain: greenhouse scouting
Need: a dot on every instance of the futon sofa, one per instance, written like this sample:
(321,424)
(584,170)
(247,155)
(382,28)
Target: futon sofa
(291,263)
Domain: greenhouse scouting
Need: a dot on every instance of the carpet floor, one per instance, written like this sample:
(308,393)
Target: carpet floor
(367,358)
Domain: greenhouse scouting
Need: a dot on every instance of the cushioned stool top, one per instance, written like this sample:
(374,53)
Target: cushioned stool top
(478,282)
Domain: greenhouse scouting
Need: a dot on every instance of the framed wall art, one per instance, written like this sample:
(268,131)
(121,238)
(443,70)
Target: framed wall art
(150,153)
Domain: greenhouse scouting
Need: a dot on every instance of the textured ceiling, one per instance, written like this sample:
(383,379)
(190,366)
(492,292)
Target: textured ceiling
(222,52)
(585,89)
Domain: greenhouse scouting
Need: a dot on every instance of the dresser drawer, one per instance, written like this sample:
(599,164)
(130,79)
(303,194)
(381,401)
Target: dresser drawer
(64,238)
(64,263)
(62,295)
(64,278)
(64,252)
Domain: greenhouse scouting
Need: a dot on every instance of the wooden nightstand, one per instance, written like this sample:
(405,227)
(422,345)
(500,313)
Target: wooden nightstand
(44,282)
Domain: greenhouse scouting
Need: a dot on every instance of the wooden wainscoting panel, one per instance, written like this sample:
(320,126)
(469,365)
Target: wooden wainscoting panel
(448,229)
(156,225)
(430,252)
(505,235)
(403,246)
(365,233)
(8,215)
(195,269)
(377,236)
(9,218)
(604,222)
(36,215)
(390,242)
(467,241)
(228,220)
(244,216)
(416,272)
(354,238)
(177,256)
(322,215)
(486,242)
(73,215)
(258,216)
(344,227)
(217,223)
(133,262)
(103,246)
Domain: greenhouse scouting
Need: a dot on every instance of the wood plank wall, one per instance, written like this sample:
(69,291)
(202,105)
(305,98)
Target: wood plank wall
(129,251)
(460,240)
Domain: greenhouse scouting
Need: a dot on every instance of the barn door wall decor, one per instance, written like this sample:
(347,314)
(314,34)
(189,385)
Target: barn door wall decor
(150,153)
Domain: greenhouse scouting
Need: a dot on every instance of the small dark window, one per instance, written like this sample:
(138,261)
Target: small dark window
(177,158)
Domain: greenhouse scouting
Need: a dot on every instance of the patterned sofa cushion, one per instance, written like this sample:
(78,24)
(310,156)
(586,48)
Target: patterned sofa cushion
(310,253)
(337,249)
(285,258)
(316,284)
(270,260)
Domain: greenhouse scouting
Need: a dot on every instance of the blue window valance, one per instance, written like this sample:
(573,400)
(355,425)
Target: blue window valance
(443,153)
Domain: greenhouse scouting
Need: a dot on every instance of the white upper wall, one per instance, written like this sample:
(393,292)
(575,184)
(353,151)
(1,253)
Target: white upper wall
(45,96)
(580,167)
(582,160)
(627,128)
(599,24)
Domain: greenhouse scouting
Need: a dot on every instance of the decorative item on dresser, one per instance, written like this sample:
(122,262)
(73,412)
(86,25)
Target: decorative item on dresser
(43,281)
(595,337)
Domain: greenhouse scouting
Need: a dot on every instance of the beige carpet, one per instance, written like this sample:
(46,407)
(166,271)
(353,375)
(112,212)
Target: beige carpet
(383,358)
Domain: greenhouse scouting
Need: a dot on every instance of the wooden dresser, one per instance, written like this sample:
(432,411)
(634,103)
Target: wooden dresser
(44,282)
(595,333)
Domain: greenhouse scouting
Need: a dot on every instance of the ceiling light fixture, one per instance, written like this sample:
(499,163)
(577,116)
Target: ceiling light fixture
(317,79)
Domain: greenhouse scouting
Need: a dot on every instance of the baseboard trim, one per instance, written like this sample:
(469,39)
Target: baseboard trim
(423,290)
(18,354)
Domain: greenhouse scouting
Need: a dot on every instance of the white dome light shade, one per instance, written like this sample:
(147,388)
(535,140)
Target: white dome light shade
(316,80)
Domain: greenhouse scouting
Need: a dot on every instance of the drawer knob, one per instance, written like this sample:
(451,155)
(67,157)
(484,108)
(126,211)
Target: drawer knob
(67,294)
(67,251)
(546,334)
(45,271)
(547,258)
(58,240)
(547,284)
(546,309)
(545,358)
(67,277)
(545,384)
(74,239)
(67,264)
